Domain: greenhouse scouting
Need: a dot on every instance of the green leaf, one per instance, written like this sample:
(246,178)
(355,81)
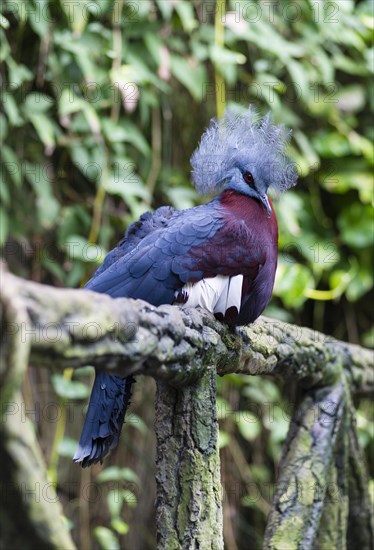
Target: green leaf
(307,149)
(82,159)
(129,497)
(106,538)
(4,190)
(223,408)
(37,103)
(115,132)
(68,389)
(360,284)
(44,128)
(154,45)
(251,500)
(136,422)
(77,18)
(75,274)
(134,72)
(166,8)
(288,209)
(332,144)
(248,424)
(116,498)
(12,165)
(340,279)
(223,439)
(78,248)
(325,66)
(11,110)
(67,447)
(120,526)
(115,502)
(83,371)
(356,225)
(368,341)
(4,46)
(136,138)
(74,220)
(125,131)
(291,283)
(300,79)
(4,23)
(350,66)
(54,268)
(186,14)
(351,178)
(3,128)
(190,73)
(40,18)
(263,392)
(259,473)
(220,55)
(48,209)
(259,34)
(351,98)
(4,226)
(47,205)
(322,254)
(181,197)
(70,103)
(114,473)
(278,427)
(18,73)
(126,183)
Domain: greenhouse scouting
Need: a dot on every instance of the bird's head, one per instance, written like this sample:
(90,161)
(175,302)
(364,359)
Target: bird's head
(245,154)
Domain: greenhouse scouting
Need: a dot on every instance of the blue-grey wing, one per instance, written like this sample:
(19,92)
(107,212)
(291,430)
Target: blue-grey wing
(151,270)
(148,222)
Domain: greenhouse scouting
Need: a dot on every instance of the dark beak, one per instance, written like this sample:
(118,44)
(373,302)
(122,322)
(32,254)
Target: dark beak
(266,203)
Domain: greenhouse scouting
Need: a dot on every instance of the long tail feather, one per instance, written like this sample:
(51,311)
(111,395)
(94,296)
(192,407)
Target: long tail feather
(109,400)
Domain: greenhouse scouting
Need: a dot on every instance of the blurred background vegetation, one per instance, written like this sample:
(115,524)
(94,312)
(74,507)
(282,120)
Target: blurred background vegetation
(103,103)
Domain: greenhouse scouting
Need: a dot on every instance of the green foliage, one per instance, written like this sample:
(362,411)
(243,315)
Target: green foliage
(103,103)
(88,142)
(106,538)
(113,473)
(116,499)
(69,389)
(67,447)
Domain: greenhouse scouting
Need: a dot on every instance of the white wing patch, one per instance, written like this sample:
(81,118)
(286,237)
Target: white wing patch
(216,294)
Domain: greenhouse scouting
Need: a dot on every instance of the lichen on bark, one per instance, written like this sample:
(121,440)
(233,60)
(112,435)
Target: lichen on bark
(30,514)
(179,347)
(189,494)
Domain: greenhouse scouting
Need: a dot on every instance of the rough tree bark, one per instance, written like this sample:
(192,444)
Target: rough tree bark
(189,493)
(71,328)
(30,515)
(305,470)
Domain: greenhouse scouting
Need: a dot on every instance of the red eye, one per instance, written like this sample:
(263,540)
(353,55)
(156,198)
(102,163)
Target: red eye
(248,178)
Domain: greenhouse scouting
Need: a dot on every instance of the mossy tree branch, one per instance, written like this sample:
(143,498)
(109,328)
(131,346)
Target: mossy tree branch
(30,514)
(322,498)
(305,470)
(71,328)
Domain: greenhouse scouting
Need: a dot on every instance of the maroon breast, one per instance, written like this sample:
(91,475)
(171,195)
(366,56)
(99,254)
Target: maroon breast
(258,262)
